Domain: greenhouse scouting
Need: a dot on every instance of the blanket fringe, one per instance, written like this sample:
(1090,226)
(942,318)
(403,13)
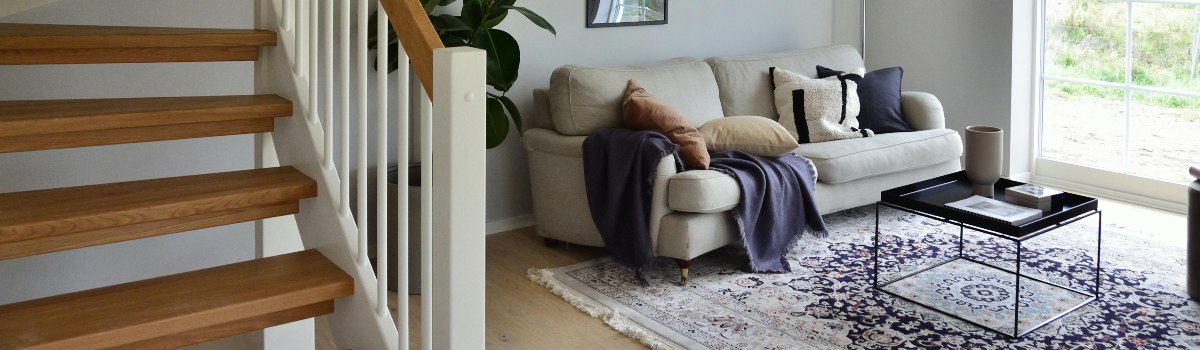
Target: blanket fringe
(610,317)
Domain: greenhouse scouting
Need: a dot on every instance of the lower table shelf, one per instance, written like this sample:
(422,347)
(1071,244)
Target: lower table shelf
(986,296)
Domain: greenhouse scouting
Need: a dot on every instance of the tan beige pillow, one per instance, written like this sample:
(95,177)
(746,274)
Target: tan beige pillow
(759,136)
(642,111)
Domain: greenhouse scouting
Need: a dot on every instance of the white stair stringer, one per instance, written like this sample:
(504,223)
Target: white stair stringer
(356,323)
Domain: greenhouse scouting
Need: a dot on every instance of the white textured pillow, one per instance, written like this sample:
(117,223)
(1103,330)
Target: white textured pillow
(818,110)
(755,135)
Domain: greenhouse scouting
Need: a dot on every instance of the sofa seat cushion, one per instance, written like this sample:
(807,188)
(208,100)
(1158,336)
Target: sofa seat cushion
(702,191)
(848,160)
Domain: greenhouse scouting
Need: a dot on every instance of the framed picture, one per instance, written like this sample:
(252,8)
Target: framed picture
(619,13)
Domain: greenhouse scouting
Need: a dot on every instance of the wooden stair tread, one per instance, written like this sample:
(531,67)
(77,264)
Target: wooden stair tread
(50,244)
(77,210)
(194,306)
(75,44)
(20,36)
(134,135)
(60,116)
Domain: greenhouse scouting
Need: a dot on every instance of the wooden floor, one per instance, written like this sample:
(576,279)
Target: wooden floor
(520,313)
(524,315)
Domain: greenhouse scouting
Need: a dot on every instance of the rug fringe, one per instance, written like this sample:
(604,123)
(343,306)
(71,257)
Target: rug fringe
(610,317)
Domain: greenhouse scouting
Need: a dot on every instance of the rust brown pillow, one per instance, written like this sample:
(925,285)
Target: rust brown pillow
(642,111)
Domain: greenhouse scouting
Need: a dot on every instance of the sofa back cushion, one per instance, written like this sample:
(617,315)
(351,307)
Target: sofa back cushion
(586,99)
(745,83)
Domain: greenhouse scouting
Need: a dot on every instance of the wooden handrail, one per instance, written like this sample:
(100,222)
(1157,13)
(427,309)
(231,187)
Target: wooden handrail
(417,36)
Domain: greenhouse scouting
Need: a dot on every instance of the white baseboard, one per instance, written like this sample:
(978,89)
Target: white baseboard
(1118,195)
(509,224)
(1154,193)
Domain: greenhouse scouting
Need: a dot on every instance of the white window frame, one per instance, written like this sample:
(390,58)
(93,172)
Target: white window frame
(1094,181)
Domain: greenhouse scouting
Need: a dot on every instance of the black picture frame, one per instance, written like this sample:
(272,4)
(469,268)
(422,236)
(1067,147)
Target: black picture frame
(591,7)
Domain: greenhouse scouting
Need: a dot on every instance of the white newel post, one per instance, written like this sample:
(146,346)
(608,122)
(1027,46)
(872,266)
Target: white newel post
(459,156)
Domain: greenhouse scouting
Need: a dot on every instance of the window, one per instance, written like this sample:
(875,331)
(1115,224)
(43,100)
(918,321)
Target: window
(1120,89)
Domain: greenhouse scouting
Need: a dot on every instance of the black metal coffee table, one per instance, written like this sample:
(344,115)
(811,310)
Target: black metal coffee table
(928,198)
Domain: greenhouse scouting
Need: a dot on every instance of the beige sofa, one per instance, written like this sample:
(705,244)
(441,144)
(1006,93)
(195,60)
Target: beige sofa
(689,214)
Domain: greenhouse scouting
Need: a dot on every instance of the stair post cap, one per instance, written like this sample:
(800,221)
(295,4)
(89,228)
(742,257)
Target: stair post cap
(1196,172)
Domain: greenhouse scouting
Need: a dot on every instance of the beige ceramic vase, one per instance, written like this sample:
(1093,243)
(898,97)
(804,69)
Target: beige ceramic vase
(985,158)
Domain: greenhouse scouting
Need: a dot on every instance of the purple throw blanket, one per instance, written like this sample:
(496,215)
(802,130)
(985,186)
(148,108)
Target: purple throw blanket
(776,197)
(618,171)
(776,205)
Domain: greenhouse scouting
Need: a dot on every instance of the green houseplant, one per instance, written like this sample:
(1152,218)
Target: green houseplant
(475,26)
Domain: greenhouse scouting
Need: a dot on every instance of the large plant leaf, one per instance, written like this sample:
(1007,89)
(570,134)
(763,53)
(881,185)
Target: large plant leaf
(431,5)
(495,17)
(503,57)
(449,23)
(493,13)
(533,17)
(456,39)
(513,112)
(372,30)
(497,123)
(473,13)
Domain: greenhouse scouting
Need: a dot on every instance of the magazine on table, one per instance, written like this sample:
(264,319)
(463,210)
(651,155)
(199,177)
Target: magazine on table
(996,210)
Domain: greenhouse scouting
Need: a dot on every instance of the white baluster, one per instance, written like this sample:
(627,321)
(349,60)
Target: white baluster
(426,221)
(288,33)
(314,51)
(363,120)
(345,49)
(327,102)
(302,34)
(402,142)
(287,10)
(381,161)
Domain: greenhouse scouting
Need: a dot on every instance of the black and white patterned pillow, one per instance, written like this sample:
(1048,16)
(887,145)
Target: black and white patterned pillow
(818,110)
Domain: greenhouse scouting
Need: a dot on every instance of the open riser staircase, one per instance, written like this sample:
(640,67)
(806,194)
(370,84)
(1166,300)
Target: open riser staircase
(308,112)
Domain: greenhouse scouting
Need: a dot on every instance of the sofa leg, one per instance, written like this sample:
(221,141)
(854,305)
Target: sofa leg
(550,242)
(684,265)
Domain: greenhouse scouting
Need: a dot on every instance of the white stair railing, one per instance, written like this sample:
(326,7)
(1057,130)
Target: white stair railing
(321,41)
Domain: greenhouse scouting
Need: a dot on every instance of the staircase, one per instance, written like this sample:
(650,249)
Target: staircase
(299,190)
(170,311)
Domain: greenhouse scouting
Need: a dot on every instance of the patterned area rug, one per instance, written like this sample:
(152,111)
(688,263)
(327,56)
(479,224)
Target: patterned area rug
(827,302)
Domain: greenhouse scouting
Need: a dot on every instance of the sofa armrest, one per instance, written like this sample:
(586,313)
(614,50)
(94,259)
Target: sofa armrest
(922,110)
(549,141)
(658,197)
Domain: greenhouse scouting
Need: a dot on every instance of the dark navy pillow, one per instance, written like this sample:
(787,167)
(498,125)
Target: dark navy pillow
(879,96)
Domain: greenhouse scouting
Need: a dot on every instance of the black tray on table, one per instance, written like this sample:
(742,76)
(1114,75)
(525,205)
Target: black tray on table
(930,197)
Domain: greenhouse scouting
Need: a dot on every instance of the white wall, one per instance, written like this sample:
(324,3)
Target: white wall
(57,273)
(9,7)
(963,52)
(847,23)
(697,28)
